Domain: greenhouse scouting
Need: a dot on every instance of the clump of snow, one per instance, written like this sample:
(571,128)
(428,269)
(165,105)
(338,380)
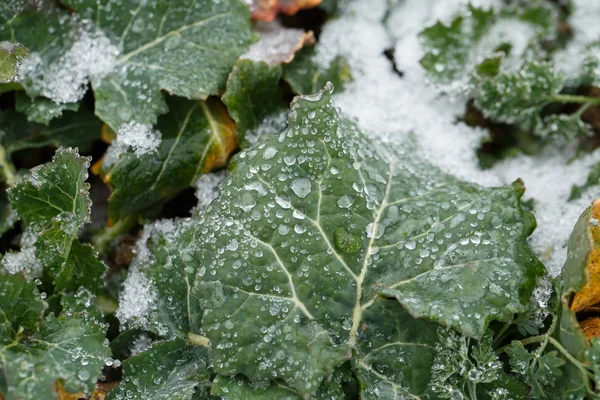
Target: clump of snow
(271,125)
(140,138)
(207,187)
(25,259)
(65,79)
(140,344)
(277,44)
(138,299)
(392,108)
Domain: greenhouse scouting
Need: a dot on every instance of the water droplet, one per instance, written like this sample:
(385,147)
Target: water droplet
(301,187)
(345,201)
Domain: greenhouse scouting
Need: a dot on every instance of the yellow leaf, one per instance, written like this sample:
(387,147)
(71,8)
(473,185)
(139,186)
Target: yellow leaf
(590,294)
(591,327)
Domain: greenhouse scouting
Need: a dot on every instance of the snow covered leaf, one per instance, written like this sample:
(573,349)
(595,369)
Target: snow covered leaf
(40,109)
(11,55)
(517,98)
(454,51)
(53,201)
(298,250)
(20,305)
(170,370)
(197,137)
(306,76)
(184,48)
(277,44)
(252,93)
(157,294)
(267,10)
(67,348)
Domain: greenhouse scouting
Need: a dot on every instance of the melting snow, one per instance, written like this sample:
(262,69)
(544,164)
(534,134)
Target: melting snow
(141,138)
(25,259)
(65,80)
(277,44)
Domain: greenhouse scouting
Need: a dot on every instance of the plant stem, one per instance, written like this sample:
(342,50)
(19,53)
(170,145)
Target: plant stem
(568,98)
(109,233)
(502,333)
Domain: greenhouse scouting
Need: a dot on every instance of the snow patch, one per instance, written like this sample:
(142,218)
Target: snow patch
(140,138)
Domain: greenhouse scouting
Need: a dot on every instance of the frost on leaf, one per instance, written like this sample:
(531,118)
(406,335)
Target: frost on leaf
(53,202)
(274,281)
(267,10)
(11,55)
(277,44)
(40,109)
(144,170)
(184,48)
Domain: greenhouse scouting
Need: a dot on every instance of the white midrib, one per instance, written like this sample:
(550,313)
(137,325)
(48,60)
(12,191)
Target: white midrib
(358,308)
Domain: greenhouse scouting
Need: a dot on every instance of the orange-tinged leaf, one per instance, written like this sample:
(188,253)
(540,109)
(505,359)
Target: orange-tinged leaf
(590,294)
(223,141)
(267,10)
(591,327)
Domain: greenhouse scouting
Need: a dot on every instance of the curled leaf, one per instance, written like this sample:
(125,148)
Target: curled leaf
(267,10)
(277,44)
(590,293)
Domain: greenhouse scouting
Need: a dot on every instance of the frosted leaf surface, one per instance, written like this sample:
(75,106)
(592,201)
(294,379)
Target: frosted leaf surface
(144,171)
(277,44)
(11,55)
(156,294)
(130,51)
(305,270)
(25,259)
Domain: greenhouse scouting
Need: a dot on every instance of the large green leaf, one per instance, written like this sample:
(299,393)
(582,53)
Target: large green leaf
(11,55)
(170,370)
(252,93)
(53,201)
(297,250)
(69,348)
(184,47)
(197,136)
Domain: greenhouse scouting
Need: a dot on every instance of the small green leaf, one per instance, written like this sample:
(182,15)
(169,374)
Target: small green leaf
(40,109)
(168,370)
(53,201)
(11,56)
(592,180)
(69,348)
(252,94)
(197,137)
(569,127)
(306,76)
(20,305)
(519,97)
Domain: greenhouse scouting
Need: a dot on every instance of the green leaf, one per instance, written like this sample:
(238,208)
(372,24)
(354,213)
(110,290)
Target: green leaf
(517,98)
(40,109)
(570,127)
(170,370)
(185,48)
(197,137)
(73,129)
(271,272)
(454,52)
(20,305)
(252,94)
(53,201)
(69,348)
(11,55)
(157,294)
(306,76)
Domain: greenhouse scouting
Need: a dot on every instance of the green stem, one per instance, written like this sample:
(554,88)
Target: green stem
(502,333)
(568,98)
(103,237)
(525,342)
(472,390)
